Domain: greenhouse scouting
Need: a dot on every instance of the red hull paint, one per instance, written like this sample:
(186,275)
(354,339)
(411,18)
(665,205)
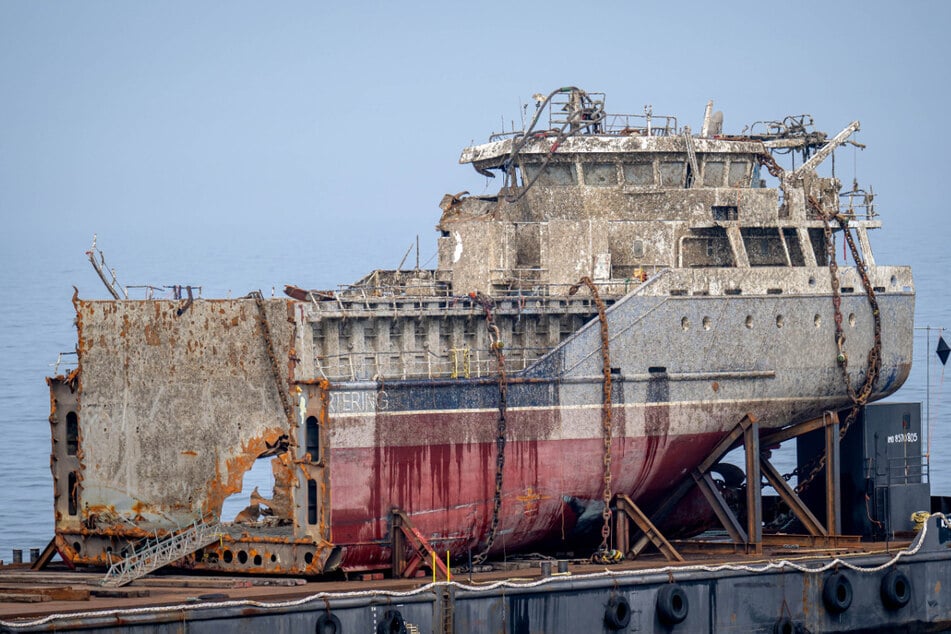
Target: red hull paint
(448,488)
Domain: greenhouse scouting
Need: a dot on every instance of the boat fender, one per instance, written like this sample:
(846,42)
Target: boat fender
(617,614)
(672,606)
(896,590)
(328,624)
(837,593)
(392,623)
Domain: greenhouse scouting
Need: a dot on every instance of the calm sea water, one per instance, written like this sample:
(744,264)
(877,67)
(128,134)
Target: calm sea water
(36,324)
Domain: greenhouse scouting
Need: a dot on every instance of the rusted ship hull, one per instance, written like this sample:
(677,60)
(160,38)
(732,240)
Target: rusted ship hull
(358,449)
(706,298)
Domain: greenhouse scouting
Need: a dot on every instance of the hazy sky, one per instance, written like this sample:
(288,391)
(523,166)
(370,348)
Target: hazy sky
(336,127)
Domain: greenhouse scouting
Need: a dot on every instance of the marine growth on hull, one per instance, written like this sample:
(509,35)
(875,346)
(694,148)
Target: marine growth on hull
(633,294)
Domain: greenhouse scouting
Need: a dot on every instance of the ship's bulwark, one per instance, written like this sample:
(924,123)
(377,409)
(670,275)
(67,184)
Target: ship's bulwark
(174,407)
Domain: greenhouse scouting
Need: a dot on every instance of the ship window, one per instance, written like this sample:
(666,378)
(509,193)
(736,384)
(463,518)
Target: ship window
(637,249)
(795,249)
(72,434)
(600,175)
(739,174)
(672,174)
(724,212)
(713,173)
(640,174)
(312,502)
(553,175)
(313,439)
(764,246)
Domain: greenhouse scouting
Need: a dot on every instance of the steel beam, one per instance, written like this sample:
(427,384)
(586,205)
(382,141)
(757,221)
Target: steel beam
(800,510)
(833,501)
(754,498)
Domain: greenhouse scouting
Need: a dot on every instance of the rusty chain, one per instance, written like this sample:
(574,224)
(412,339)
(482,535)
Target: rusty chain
(272,357)
(606,423)
(496,345)
(766,159)
(859,398)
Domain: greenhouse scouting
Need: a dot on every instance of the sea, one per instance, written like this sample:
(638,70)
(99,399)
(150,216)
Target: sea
(40,267)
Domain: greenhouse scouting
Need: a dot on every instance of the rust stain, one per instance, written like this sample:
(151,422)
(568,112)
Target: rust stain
(151,336)
(530,500)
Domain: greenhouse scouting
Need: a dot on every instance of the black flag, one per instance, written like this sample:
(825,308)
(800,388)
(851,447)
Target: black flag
(943,350)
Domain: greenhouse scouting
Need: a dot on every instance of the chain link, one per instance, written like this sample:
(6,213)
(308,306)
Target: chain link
(874,362)
(606,423)
(279,381)
(496,345)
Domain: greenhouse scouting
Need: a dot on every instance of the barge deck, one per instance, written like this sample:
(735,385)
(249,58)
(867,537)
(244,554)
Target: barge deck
(860,586)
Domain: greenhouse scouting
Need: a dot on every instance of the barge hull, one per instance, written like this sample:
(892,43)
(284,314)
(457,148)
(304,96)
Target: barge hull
(737,595)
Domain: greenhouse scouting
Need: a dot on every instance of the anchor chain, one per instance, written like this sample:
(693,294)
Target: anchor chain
(496,345)
(272,356)
(874,362)
(766,159)
(604,554)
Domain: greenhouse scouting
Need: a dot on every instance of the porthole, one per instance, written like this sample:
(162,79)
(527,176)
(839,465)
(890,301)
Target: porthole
(257,560)
(242,557)
(228,556)
(308,558)
(812,281)
(893,281)
(780,321)
(707,323)
(817,320)
(852,319)
(685,323)
(749,321)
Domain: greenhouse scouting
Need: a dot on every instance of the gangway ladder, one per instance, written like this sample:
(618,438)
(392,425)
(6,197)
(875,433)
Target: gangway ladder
(157,553)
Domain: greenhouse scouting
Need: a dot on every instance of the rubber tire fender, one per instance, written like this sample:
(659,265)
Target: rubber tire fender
(617,614)
(391,623)
(328,624)
(672,604)
(896,589)
(837,593)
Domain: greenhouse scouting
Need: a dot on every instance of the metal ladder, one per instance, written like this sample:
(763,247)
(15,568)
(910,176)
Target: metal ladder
(154,553)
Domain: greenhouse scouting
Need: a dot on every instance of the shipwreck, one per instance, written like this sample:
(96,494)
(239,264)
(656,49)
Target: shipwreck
(631,294)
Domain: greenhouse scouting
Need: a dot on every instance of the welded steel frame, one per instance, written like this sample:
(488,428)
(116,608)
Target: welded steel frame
(748,538)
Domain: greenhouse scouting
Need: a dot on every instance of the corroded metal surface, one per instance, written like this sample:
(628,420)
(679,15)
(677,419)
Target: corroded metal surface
(717,296)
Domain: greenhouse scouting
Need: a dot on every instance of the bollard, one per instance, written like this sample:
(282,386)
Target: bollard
(546,568)
(562,566)
(17,556)
(34,555)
